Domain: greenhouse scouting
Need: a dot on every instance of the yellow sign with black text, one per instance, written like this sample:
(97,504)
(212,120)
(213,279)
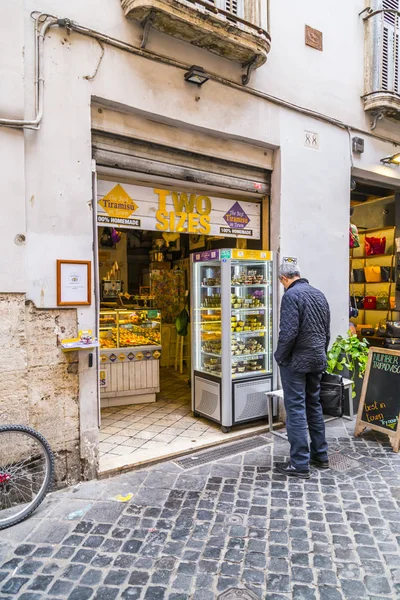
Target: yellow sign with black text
(175,210)
(251,254)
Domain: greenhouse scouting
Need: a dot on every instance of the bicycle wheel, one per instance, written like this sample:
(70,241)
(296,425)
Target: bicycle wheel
(26,472)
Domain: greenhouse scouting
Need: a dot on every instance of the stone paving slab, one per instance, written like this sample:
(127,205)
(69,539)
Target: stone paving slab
(165,533)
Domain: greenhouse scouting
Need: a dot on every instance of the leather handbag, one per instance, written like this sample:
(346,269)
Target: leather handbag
(370,302)
(382,301)
(393,329)
(332,394)
(381,330)
(360,328)
(374,245)
(386,274)
(359,300)
(392,343)
(358,275)
(367,331)
(372,274)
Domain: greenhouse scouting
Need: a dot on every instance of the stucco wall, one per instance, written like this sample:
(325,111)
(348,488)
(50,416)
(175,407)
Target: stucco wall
(39,385)
(48,173)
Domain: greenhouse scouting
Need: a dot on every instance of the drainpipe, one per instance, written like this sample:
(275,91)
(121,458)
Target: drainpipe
(39,77)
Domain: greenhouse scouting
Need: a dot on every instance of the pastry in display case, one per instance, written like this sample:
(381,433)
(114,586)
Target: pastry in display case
(130,328)
(233,329)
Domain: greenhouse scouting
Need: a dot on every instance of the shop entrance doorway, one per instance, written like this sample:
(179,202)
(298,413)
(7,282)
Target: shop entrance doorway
(146,234)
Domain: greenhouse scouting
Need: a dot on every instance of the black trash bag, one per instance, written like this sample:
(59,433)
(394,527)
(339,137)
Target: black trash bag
(332,395)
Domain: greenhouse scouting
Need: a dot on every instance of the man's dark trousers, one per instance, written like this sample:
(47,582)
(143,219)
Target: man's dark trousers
(301,397)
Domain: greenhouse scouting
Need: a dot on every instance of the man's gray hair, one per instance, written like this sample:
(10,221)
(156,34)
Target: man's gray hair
(289,270)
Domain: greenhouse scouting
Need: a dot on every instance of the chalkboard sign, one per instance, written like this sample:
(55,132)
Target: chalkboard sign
(380,397)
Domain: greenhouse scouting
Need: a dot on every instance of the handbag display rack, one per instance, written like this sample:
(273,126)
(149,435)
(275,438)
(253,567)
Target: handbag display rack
(373,278)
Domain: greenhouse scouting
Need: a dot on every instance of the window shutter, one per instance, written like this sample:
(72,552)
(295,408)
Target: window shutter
(390,47)
(233,6)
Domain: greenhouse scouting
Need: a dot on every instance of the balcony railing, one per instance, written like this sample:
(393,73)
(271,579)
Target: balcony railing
(382,69)
(230,28)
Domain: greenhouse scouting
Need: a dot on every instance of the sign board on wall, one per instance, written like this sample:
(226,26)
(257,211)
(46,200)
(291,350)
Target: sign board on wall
(380,400)
(169,210)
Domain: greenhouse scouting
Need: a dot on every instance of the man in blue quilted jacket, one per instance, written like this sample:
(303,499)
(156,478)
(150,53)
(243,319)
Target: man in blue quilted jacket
(301,355)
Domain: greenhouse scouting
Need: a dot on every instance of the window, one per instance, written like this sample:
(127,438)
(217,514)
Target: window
(233,6)
(390,47)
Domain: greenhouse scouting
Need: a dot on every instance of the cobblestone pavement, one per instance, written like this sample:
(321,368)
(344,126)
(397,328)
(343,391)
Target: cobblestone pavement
(228,524)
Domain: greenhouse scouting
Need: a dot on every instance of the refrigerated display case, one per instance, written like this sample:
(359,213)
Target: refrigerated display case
(130,351)
(233,304)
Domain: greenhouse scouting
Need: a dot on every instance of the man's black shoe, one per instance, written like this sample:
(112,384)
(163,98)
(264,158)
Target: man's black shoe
(320,464)
(287,469)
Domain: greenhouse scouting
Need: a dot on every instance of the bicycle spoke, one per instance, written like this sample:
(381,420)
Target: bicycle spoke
(27,463)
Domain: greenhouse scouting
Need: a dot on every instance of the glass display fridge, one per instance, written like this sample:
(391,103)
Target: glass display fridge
(233,321)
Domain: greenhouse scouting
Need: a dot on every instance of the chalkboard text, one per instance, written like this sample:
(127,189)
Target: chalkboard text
(386,362)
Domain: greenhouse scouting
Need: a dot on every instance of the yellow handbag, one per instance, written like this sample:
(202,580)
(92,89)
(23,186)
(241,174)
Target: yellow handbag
(372,274)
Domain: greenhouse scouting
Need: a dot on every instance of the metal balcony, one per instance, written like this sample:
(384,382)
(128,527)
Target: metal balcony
(382,84)
(204,24)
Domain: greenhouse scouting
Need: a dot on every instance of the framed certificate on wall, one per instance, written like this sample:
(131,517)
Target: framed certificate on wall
(73,282)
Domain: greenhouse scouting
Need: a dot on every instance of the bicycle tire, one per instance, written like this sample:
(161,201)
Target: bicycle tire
(19,517)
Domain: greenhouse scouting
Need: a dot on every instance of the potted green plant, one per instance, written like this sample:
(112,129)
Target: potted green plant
(348,357)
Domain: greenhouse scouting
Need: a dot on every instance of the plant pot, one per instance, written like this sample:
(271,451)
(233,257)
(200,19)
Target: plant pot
(358,382)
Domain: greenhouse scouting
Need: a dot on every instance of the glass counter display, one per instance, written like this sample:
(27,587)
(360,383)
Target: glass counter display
(233,320)
(130,351)
(129,328)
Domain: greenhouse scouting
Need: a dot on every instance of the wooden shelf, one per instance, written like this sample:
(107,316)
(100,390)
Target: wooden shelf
(371,256)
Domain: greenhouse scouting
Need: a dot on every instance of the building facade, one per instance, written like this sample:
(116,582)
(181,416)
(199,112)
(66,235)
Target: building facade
(92,88)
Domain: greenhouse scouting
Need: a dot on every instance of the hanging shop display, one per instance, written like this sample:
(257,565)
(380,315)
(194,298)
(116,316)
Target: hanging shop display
(232,291)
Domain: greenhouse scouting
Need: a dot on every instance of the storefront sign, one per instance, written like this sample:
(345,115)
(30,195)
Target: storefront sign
(251,254)
(236,218)
(171,210)
(119,207)
(206,255)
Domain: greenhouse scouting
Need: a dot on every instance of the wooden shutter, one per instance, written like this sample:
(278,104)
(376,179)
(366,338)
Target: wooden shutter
(233,6)
(390,47)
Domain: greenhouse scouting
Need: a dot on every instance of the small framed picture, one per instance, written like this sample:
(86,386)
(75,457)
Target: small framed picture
(74,282)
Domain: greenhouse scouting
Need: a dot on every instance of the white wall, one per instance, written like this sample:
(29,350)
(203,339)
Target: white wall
(312,194)
(51,172)
(12,148)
